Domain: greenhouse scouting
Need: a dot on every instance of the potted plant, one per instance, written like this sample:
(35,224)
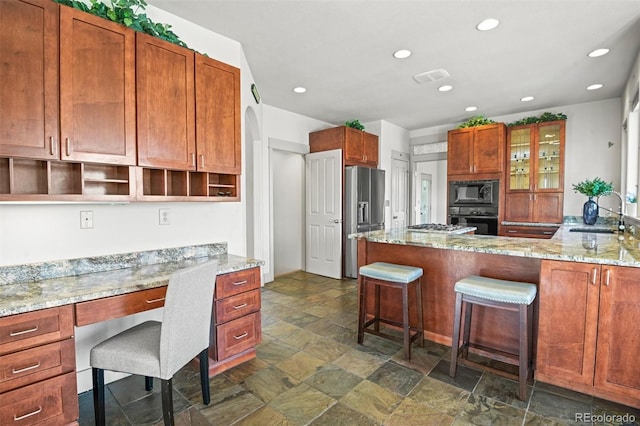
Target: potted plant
(592,188)
(632,203)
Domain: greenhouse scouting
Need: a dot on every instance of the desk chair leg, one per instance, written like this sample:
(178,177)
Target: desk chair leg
(455,337)
(204,376)
(148,383)
(98,396)
(167,402)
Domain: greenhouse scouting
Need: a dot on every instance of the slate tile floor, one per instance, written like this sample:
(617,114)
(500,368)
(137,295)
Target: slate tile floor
(310,371)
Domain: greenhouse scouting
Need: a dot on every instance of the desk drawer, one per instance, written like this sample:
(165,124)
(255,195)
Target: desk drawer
(35,364)
(35,328)
(237,282)
(50,402)
(237,335)
(119,306)
(237,306)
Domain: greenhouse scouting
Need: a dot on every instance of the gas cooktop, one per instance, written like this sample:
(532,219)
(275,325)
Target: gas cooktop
(437,227)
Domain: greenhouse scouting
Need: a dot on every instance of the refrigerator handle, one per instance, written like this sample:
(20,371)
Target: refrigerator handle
(363,212)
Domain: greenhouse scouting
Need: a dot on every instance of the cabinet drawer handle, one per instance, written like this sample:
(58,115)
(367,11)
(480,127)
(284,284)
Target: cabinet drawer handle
(33,413)
(67,145)
(18,333)
(240,282)
(606,281)
(244,305)
(52,148)
(202,160)
(193,159)
(22,370)
(161,299)
(593,276)
(511,231)
(242,336)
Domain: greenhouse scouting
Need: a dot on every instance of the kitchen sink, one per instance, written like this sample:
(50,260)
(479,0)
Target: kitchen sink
(594,230)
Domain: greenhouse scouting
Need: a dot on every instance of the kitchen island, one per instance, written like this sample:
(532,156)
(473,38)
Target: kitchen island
(586,313)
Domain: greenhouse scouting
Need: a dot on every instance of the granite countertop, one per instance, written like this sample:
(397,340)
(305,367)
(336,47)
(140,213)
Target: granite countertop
(606,249)
(25,295)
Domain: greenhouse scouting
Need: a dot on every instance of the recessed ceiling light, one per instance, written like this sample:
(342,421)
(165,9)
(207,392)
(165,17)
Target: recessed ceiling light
(594,86)
(487,24)
(299,89)
(598,52)
(445,88)
(401,54)
(470,108)
(527,98)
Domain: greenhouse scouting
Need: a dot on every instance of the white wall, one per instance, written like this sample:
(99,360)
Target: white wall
(282,172)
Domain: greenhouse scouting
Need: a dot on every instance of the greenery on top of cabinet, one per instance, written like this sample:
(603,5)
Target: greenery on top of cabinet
(477,120)
(124,12)
(355,124)
(544,117)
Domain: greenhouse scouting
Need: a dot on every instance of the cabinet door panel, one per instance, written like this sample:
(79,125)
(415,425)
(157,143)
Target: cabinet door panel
(97,89)
(165,104)
(548,207)
(518,207)
(29,76)
(618,369)
(568,313)
(353,149)
(218,116)
(370,148)
(488,149)
(460,152)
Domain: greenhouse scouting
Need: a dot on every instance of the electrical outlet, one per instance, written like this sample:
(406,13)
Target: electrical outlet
(86,220)
(165,217)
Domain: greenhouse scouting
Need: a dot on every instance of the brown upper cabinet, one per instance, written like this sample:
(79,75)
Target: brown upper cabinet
(358,148)
(476,150)
(165,101)
(97,89)
(29,76)
(217,116)
(535,185)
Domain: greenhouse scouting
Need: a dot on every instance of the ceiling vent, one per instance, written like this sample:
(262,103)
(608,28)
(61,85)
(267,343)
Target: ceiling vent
(429,76)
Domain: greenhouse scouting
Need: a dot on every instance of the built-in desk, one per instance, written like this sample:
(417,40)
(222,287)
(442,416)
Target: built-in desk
(40,308)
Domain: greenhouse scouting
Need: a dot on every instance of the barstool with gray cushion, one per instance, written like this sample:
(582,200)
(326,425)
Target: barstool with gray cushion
(154,349)
(394,276)
(499,294)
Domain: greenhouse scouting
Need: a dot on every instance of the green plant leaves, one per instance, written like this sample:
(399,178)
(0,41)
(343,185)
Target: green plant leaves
(593,188)
(124,12)
(355,124)
(477,120)
(544,117)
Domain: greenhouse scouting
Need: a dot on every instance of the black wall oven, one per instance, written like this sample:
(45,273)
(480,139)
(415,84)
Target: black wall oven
(475,203)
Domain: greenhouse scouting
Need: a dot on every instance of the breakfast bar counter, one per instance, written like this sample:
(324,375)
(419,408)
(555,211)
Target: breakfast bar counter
(586,311)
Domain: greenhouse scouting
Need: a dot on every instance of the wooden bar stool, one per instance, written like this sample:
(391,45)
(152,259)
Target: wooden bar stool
(394,276)
(499,294)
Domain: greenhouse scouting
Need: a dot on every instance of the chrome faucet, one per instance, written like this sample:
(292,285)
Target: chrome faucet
(620,208)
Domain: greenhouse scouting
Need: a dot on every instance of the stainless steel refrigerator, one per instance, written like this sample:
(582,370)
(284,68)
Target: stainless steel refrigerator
(363,209)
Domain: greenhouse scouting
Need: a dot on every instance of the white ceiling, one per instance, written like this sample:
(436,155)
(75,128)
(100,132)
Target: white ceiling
(341,51)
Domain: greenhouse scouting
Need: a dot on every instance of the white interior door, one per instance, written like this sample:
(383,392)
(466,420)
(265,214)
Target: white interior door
(323,216)
(399,193)
(425,198)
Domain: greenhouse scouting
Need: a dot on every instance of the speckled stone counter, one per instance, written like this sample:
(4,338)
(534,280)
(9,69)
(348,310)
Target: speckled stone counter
(25,288)
(607,249)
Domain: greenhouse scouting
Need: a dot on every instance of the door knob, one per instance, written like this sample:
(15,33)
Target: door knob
(395,217)
(336,220)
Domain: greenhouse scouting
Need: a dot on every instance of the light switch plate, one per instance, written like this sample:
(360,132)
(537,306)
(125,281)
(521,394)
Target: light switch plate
(164,217)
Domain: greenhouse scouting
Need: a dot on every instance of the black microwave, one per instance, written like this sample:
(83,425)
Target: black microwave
(473,192)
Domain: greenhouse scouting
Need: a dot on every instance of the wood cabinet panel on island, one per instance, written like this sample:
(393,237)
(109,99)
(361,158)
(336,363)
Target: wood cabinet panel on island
(359,148)
(476,150)
(588,335)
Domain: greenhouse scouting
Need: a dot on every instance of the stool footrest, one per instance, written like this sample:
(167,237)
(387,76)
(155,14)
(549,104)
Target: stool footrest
(495,354)
(412,338)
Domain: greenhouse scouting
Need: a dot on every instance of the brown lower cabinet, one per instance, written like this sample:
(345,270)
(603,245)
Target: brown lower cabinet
(524,231)
(589,333)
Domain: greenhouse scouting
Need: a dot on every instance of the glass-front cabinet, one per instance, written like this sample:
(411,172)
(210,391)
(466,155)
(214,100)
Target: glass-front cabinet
(534,189)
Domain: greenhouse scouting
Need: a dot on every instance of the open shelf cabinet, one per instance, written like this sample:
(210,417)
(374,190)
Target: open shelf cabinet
(179,185)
